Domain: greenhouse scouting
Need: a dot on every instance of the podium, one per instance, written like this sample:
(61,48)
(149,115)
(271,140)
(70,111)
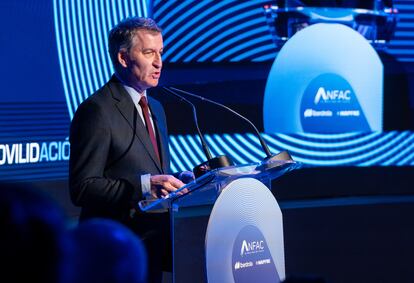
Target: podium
(228,226)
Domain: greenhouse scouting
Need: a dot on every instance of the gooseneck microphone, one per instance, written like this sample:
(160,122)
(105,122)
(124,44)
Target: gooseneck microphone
(204,145)
(212,162)
(284,155)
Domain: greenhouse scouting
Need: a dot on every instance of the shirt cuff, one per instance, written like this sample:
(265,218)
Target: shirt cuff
(146,186)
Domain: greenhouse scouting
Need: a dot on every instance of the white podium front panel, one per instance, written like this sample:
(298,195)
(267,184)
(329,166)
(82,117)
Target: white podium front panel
(244,238)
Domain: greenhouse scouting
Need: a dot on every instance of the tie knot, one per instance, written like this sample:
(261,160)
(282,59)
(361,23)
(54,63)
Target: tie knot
(143,101)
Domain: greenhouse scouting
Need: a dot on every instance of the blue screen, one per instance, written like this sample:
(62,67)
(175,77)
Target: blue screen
(53,56)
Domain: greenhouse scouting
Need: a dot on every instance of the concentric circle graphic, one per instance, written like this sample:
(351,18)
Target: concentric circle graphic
(244,206)
(81,29)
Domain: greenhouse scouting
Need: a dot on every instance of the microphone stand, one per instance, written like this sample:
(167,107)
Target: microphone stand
(212,162)
(281,156)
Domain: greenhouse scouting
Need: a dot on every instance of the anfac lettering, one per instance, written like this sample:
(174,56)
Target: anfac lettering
(252,246)
(332,95)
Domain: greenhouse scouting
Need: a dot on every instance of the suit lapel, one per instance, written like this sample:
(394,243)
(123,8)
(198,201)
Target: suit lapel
(128,110)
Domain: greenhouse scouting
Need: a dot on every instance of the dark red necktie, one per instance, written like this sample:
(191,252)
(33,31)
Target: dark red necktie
(145,111)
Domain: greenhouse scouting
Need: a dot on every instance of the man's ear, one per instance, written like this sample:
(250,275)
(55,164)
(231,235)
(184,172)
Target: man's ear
(123,59)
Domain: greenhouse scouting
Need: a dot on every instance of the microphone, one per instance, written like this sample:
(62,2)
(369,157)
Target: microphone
(212,162)
(284,155)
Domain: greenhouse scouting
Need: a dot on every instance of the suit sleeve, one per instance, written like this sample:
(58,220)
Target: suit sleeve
(90,138)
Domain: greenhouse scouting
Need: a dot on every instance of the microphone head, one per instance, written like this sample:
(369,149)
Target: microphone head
(276,160)
(283,156)
(201,169)
(214,163)
(220,162)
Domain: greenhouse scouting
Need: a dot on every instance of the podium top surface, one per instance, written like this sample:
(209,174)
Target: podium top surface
(205,189)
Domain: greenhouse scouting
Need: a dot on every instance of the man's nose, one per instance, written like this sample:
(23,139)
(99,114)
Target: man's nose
(157,61)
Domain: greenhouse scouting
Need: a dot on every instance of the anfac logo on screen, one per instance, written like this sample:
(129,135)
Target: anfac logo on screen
(330,105)
(334,95)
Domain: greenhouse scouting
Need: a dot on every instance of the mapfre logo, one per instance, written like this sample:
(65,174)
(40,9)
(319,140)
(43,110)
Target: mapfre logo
(334,95)
(251,247)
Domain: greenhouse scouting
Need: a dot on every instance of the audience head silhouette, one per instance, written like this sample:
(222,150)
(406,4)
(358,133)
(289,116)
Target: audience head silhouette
(32,235)
(107,251)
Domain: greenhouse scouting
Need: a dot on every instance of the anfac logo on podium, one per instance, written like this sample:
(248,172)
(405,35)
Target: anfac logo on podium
(251,247)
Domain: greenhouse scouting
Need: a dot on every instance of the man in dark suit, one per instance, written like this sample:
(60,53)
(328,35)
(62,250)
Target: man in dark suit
(119,143)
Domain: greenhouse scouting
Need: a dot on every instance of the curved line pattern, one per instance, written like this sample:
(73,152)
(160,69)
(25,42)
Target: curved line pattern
(81,29)
(245,45)
(193,28)
(259,50)
(171,13)
(232,40)
(350,149)
(209,22)
(221,41)
(223,33)
(210,32)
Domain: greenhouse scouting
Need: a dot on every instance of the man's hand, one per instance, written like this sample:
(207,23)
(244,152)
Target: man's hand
(162,185)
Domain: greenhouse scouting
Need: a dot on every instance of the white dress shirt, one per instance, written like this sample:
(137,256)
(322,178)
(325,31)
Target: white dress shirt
(136,96)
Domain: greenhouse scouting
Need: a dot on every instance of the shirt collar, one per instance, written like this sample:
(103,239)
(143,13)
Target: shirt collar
(135,95)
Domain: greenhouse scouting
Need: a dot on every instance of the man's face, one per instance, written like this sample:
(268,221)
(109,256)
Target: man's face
(143,62)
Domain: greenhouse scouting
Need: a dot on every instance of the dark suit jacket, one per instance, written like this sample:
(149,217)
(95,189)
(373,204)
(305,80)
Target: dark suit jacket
(110,149)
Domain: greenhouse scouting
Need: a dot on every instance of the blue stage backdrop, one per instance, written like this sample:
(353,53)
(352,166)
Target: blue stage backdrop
(53,55)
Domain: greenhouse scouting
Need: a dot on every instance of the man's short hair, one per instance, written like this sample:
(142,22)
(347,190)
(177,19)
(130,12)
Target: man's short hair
(121,36)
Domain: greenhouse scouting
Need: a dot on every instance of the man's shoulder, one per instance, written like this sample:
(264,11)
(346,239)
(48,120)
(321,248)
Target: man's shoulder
(95,105)
(100,97)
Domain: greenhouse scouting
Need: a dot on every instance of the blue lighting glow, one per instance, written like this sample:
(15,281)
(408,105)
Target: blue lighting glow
(351,149)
